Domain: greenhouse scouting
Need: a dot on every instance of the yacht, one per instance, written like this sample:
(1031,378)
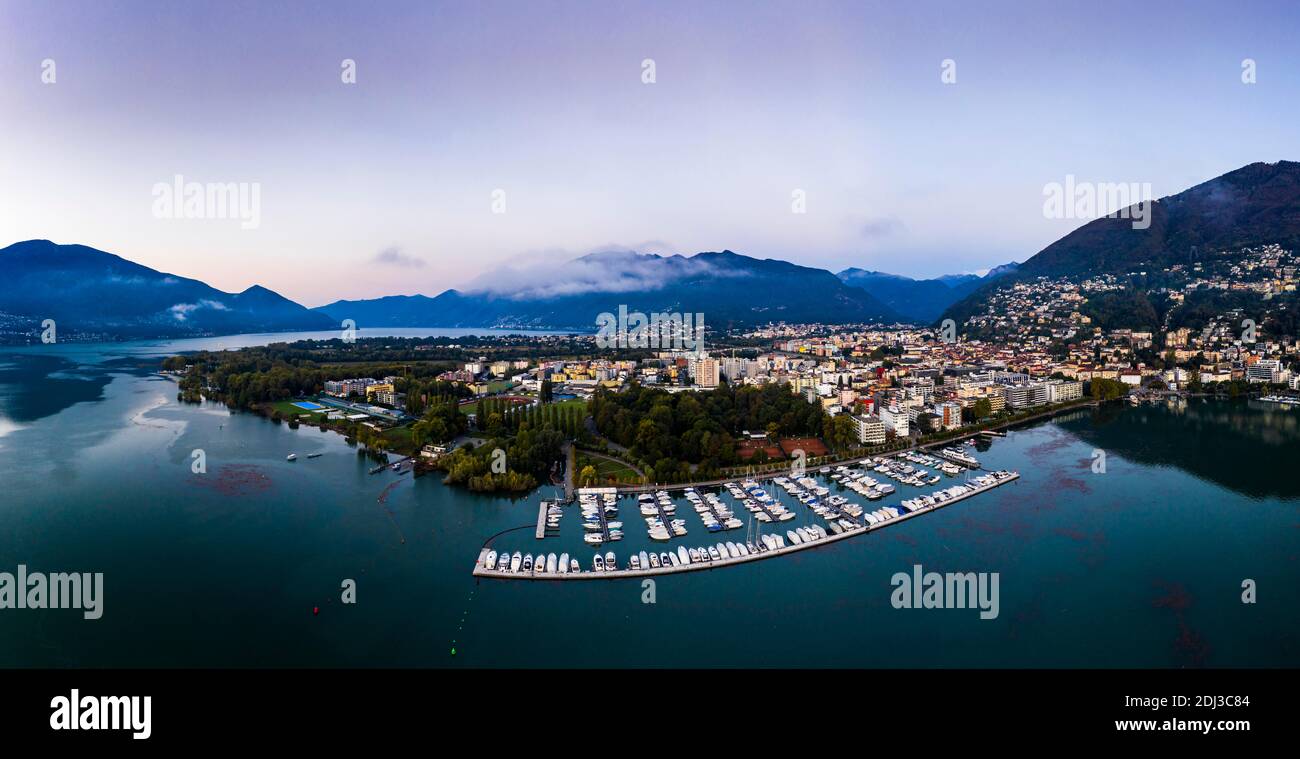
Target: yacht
(694,555)
(610,562)
(491,560)
(794,537)
(598,563)
(503,562)
(551,563)
(593,538)
(713,554)
(515,560)
(564,563)
(682,555)
(291,457)
(654,561)
(667,559)
(528,563)
(634,562)
(574,567)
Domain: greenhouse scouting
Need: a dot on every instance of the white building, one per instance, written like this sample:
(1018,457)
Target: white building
(871,431)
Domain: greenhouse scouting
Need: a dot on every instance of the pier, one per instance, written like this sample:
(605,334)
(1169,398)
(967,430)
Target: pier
(541,518)
(665,518)
(493,573)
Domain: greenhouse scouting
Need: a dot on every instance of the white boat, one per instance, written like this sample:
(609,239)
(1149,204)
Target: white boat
(528,563)
(682,555)
(574,567)
(654,561)
(694,554)
(667,559)
(598,563)
(645,560)
(516,559)
(564,563)
(291,457)
(794,537)
(491,560)
(503,562)
(611,563)
(731,550)
(634,562)
(551,563)
(593,538)
(713,553)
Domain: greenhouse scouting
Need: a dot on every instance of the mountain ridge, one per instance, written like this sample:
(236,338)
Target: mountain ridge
(85,289)
(707,282)
(1256,204)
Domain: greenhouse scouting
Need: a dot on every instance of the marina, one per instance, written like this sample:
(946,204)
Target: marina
(729,553)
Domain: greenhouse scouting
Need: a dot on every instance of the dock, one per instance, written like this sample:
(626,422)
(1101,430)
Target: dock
(664,518)
(541,518)
(493,573)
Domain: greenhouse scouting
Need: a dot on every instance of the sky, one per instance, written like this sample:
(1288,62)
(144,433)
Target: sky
(492,141)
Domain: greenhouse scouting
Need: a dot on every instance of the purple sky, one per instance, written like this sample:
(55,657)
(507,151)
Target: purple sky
(385,186)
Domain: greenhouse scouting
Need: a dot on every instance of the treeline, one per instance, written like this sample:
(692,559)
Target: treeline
(502,464)
(443,349)
(500,416)
(247,377)
(670,432)
(1105,389)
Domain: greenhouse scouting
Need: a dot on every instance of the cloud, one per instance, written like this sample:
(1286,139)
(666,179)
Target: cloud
(881,227)
(618,270)
(393,256)
(181,311)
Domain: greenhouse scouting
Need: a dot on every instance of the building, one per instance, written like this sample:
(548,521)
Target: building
(377,388)
(1061,391)
(1264,371)
(871,431)
(706,372)
(1025,395)
(344,388)
(894,419)
(949,414)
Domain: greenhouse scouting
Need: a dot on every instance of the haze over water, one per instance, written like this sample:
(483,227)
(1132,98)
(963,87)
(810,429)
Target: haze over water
(1140,566)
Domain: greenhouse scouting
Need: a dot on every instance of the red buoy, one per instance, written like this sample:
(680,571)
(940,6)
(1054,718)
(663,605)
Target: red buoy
(315,610)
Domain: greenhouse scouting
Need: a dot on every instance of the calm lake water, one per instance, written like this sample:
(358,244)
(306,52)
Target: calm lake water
(1140,566)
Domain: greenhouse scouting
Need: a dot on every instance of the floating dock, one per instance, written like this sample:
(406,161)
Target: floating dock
(542,508)
(617,574)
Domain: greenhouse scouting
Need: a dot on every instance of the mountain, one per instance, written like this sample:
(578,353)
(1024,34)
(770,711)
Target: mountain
(920,300)
(729,289)
(89,290)
(1256,204)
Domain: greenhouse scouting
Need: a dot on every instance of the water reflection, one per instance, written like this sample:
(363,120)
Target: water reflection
(1246,446)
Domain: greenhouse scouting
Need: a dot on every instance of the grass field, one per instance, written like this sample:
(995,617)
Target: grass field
(287,409)
(606,469)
